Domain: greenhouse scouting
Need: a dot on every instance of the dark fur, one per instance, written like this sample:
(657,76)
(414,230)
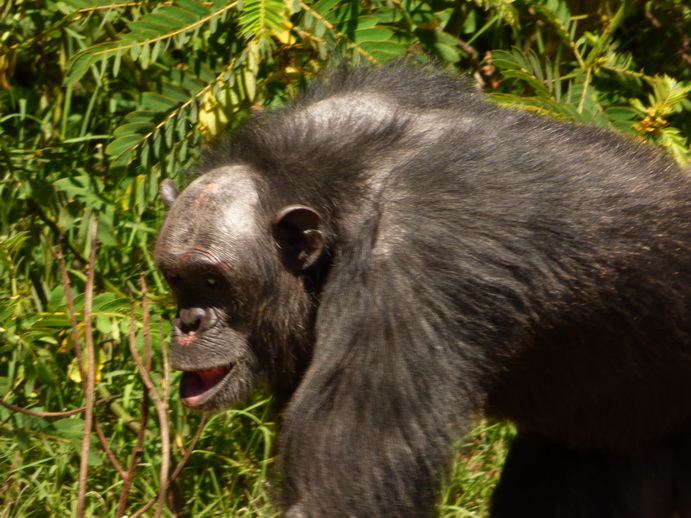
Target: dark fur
(475,259)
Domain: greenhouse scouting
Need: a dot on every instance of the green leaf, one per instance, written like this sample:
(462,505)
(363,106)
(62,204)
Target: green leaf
(621,113)
(103,324)
(156,101)
(123,144)
(182,15)
(80,186)
(133,128)
(145,56)
(150,116)
(505,60)
(57,297)
(194,7)
(120,305)
(54,320)
(384,50)
(441,44)
(77,66)
(151,29)
(534,83)
(374,34)
(106,232)
(174,92)
(169,24)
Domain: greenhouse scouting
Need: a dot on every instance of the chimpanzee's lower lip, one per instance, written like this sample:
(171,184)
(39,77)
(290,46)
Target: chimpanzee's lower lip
(198,387)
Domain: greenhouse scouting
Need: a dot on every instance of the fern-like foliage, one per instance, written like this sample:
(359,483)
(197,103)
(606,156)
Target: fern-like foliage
(581,89)
(208,96)
(148,36)
(204,96)
(666,99)
(331,25)
(504,9)
(261,21)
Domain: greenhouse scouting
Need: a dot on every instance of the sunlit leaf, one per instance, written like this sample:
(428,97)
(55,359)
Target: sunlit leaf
(122,144)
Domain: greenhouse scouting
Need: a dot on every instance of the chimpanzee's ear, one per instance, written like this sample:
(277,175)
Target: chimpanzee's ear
(297,234)
(169,192)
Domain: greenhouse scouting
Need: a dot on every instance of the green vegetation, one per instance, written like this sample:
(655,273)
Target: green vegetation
(101,100)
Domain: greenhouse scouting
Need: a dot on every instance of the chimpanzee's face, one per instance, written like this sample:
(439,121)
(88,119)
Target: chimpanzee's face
(236,279)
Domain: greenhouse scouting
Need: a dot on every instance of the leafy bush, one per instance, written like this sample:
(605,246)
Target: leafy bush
(101,100)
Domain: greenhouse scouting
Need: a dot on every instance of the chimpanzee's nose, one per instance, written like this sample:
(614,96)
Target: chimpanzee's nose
(196,319)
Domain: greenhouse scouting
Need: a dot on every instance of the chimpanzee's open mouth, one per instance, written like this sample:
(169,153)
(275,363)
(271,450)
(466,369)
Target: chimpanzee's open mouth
(197,387)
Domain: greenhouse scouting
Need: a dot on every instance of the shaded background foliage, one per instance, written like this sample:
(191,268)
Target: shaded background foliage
(101,100)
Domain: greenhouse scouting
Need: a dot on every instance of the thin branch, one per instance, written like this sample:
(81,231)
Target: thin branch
(144,509)
(146,324)
(139,445)
(160,405)
(70,308)
(66,413)
(190,449)
(53,226)
(128,478)
(179,466)
(109,452)
(90,381)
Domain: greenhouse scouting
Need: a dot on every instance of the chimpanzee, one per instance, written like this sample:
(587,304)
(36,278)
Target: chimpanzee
(393,254)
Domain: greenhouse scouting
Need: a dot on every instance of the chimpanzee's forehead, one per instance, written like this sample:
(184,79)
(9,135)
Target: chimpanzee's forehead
(221,188)
(219,206)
